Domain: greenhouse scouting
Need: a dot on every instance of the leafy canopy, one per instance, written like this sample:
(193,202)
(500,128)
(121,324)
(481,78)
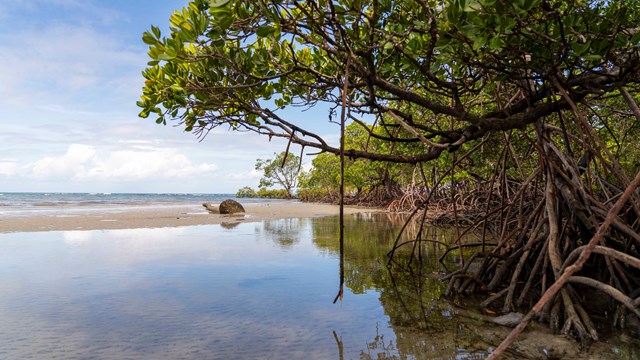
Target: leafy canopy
(437,72)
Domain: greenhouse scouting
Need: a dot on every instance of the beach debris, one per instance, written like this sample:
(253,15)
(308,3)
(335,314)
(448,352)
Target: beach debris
(211,208)
(511,319)
(230,207)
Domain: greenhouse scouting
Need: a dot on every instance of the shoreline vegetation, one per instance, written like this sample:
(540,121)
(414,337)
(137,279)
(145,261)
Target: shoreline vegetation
(166,216)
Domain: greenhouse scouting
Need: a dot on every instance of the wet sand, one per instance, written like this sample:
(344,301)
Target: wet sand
(169,216)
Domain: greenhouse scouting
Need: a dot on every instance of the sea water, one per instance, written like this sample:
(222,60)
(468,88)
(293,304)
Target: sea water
(262,290)
(37,203)
(253,291)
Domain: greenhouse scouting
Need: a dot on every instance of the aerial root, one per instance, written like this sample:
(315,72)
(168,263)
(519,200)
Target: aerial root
(542,224)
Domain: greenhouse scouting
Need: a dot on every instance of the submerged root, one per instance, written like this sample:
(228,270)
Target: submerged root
(542,224)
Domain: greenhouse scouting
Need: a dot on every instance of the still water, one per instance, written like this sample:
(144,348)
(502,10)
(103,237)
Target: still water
(256,290)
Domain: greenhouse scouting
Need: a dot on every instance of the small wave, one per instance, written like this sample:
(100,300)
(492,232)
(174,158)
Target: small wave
(48,203)
(94,202)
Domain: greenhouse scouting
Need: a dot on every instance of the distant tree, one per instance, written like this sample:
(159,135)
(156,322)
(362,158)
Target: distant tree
(273,193)
(246,192)
(362,177)
(281,171)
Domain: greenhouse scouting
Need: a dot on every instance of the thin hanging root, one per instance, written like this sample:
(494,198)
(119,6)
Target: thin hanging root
(342,129)
(572,320)
(609,290)
(619,317)
(586,320)
(533,275)
(534,239)
(554,315)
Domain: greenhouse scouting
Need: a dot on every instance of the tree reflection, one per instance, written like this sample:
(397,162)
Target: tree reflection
(379,349)
(284,232)
(410,292)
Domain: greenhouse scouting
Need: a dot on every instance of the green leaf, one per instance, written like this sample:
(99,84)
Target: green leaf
(225,22)
(470,31)
(156,31)
(530,4)
(148,38)
(166,57)
(495,43)
(479,42)
(339,9)
(265,30)
(621,40)
(242,12)
(635,40)
(218,3)
(470,5)
(581,48)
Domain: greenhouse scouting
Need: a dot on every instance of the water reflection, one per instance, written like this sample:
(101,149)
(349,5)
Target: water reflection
(411,296)
(285,232)
(257,290)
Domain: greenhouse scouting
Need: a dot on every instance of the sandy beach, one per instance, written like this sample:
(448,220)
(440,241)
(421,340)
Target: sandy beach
(169,216)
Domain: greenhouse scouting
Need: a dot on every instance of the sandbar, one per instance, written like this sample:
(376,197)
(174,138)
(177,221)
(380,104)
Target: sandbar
(167,216)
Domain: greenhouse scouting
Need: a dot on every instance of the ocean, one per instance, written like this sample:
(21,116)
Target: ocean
(259,290)
(34,203)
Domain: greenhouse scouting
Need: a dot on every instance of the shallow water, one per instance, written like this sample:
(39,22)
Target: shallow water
(256,290)
(75,204)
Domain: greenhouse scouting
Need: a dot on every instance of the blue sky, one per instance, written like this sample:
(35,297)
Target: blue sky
(69,80)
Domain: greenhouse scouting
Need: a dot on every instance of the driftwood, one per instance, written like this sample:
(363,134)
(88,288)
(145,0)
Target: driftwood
(211,208)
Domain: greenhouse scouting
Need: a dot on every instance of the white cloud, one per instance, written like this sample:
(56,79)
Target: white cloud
(8,168)
(145,163)
(245,175)
(85,163)
(74,161)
